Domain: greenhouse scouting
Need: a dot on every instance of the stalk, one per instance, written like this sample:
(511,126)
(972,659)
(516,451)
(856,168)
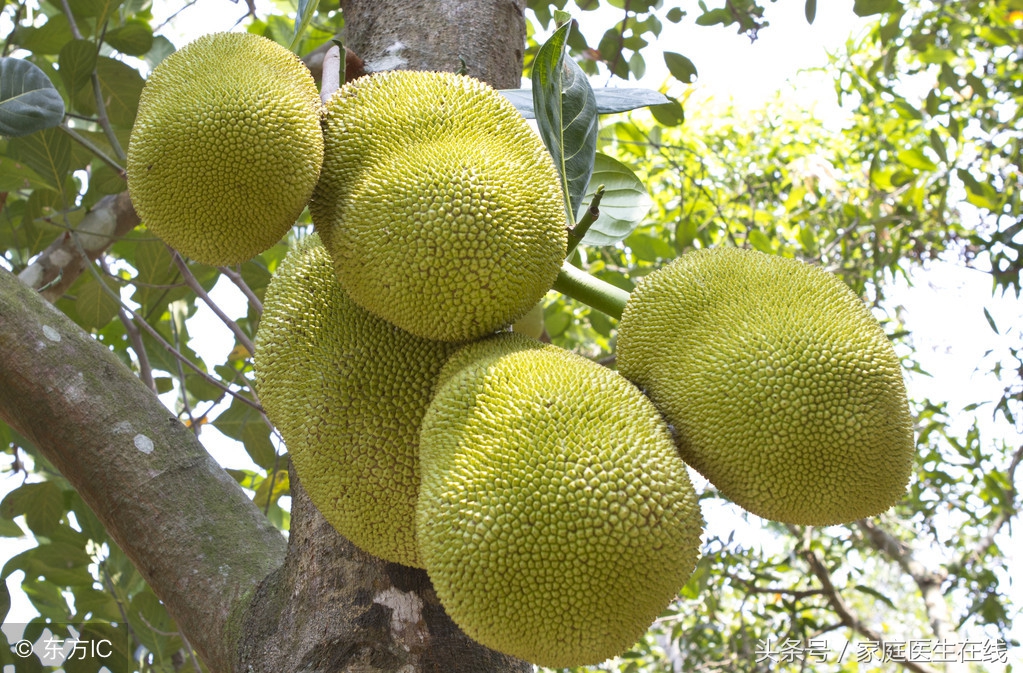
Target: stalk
(597,294)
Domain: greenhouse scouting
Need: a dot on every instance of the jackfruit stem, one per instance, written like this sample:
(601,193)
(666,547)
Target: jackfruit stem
(583,225)
(575,283)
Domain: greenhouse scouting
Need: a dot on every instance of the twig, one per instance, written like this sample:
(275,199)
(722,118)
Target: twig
(240,283)
(92,147)
(818,568)
(193,283)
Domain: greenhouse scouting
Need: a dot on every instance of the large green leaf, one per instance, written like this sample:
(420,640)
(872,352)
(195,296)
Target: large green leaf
(48,153)
(77,61)
(28,100)
(121,85)
(134,38)
(680,67)
(245,424)
(624,205)
(42,503)
(94,304)
(566,115)
(609,100)
(45,39)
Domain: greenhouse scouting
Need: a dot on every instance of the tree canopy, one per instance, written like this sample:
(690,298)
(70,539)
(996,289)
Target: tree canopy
(927,166)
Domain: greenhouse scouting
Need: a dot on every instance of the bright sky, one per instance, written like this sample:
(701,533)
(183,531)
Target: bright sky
(951,334)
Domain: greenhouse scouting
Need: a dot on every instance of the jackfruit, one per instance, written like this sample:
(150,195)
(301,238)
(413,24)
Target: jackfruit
(440,206)
(347,391)
(556,519)
(782,388)
(226,147)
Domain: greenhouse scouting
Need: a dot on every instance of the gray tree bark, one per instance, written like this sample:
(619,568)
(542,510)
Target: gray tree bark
(244,601)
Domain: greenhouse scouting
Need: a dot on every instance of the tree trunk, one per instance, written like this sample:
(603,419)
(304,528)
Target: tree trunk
(203,546)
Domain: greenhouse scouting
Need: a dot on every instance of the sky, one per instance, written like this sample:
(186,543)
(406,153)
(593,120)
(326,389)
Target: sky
(951,334)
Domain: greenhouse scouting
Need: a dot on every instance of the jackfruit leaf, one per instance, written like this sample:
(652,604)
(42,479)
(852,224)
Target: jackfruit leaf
(134,38)
(45,39)
(609,100)
(271,488)
(871,7)
(303,17)
(94,305)
(566,117)
(161,49)
(15,175)
(42,503)
(77,61)
(121,85)
(28,100)
(245,424)
(668,114)
(680,67)
(9,528)
(810,10)
(47,152)
(152,625)
(870,591)
(624,205)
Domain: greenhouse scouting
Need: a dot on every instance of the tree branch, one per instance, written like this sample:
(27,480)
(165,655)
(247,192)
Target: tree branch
(177,514)
(58,267)
(193,283)
(818,568)
(929,582)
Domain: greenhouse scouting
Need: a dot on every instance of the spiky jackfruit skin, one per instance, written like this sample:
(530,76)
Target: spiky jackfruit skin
(441,207)
(226,147)
(556,519)
(782,388)
(347,391)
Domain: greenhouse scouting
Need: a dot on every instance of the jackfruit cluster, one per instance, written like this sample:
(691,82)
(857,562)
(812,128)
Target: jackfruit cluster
(443,212)
(782,388)
(226,147)
(555,517)
(347,391)
(547,497)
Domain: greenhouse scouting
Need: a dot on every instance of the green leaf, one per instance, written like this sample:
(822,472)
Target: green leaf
(15,176)
(134,38)
(46,39)
(42,503)
(245,424)
(810,10)
(991,321)
(28,100)
(680,67)
(675,15)
(760,241)
(624,205)
(557,319)
(94,305)
(48,153)
(915,158)
(120,85)
(609,100)
(871,7)
(669,114)
(938,146)
(77,62)
(870,591)
(303,17)
(566,117)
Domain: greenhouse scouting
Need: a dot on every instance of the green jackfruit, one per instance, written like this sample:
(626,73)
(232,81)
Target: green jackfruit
(440,206)
(782,388)
(555,518)
(347,391)
(226,147)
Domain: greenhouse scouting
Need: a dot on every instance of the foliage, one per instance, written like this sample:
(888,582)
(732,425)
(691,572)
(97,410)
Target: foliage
(928,166)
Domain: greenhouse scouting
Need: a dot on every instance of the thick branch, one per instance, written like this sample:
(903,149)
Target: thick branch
(198,540)
(59,266)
